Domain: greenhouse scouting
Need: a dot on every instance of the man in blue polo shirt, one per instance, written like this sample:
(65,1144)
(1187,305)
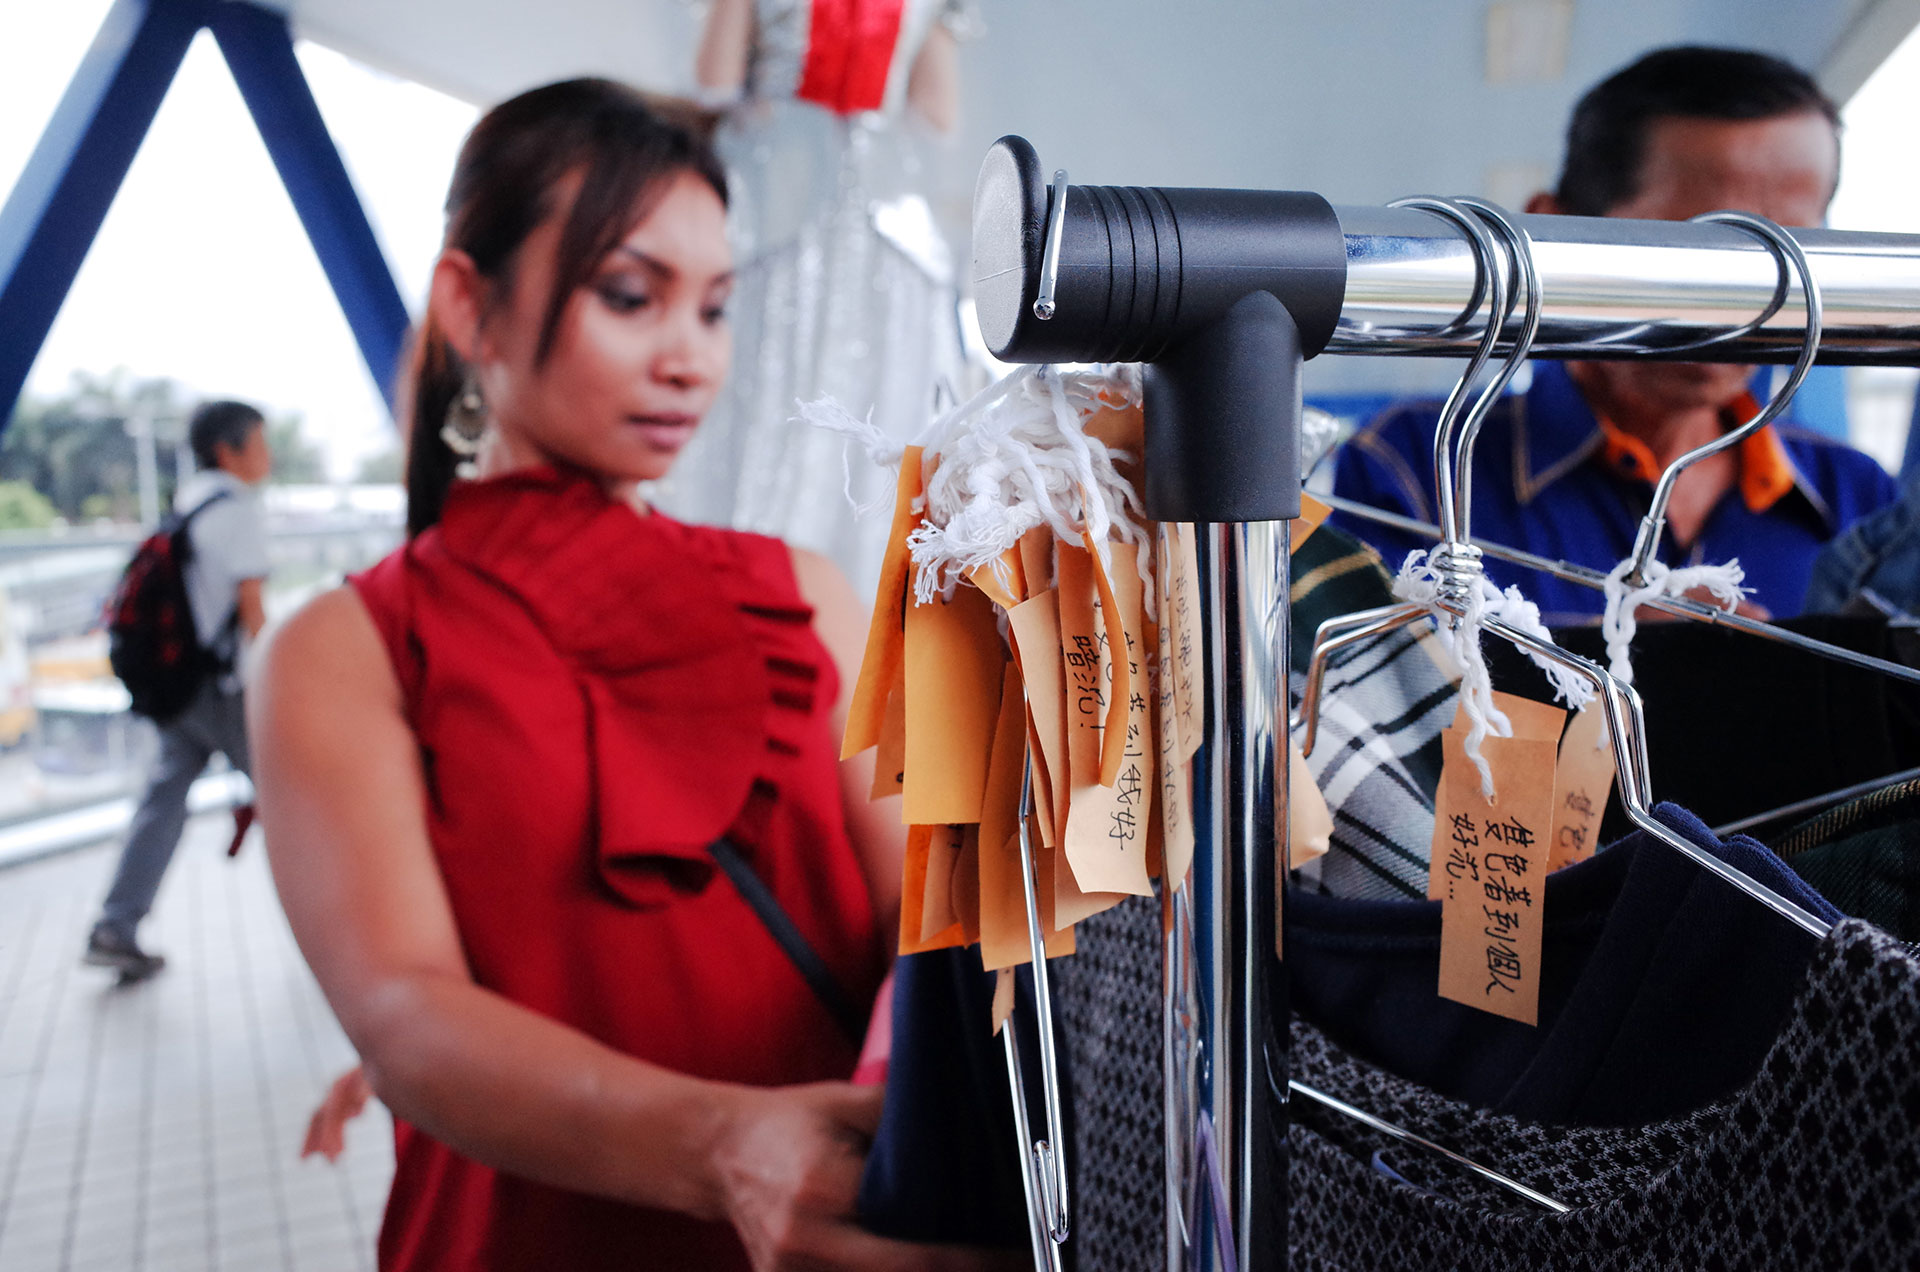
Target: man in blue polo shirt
(1567,470)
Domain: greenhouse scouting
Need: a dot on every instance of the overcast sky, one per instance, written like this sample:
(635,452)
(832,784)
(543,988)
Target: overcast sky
(203,274)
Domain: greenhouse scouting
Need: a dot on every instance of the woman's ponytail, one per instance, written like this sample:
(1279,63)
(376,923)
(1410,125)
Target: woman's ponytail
(433,380)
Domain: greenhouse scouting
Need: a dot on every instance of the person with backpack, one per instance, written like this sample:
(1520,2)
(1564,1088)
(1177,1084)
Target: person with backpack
(187,604)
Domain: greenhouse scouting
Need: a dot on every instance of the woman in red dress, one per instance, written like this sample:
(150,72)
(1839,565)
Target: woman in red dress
(492,767)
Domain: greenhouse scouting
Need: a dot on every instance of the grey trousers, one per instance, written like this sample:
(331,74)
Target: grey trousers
(212,722)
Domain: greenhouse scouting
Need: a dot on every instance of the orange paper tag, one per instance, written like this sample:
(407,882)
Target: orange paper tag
(913,893)
(1313,514)
(1005,593)
(1035,625)
(1002,998)
(880,667)
(1581,786)
(954,659)
(1107,820)
(1003,904)
(1189,652)
(1489,862)
(890,759)
(1175,802)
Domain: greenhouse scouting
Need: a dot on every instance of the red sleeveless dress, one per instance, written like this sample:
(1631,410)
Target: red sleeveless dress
(598,695)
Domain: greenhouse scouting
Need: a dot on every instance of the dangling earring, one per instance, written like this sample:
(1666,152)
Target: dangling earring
(465,427)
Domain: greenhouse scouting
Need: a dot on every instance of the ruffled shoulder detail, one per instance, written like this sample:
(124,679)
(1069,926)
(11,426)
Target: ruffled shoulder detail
(651,615)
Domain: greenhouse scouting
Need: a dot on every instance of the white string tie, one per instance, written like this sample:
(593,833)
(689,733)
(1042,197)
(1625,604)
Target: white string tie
(1620,620)
(1451,572)
(1013,457)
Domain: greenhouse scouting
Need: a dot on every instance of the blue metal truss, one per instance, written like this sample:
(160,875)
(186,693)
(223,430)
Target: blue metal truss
(50,219)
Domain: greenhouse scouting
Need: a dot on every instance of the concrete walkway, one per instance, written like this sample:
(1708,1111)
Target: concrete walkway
(156,1127)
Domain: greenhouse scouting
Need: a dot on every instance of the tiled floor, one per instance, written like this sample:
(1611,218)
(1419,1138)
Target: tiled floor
(156,1127)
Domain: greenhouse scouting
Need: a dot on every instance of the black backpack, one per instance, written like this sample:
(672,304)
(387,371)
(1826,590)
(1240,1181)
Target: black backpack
(153,643)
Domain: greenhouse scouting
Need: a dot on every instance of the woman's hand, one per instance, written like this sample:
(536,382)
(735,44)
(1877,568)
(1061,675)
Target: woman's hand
(789,1165)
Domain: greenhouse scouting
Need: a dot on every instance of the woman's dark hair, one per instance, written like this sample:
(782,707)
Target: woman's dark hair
(1607,137)
(624,145)
(217,424)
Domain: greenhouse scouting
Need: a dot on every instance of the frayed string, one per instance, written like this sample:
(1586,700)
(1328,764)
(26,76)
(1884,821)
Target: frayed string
(1620,621)
(1420,581)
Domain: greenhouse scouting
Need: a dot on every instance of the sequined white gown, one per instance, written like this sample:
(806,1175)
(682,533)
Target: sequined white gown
(845,289)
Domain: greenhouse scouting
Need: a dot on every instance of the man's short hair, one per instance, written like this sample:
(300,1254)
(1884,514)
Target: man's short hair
(220,424)
(1607,137)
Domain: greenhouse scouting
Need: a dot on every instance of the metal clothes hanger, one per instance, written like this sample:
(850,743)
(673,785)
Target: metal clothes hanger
(1678,606)
(1043,1163)
(1787,252)
(1457,558)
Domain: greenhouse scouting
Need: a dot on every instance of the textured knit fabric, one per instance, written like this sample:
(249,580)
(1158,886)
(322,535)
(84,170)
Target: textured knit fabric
(597,696)
(1108,997)
(1383,704)
(1543,481)
(1864,856)
(1814,1163)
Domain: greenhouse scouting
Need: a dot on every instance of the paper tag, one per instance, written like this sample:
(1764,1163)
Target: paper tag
(880,666)
(1104,657)
(1175,802)
(1531,721)
(1003,905)
(1117,608)
(1313,514)
(890,758)
(913,894)
(937,910)
(1581,786)
(1008,594)
(1309,820)
(1036,560)
(1489,862)
(954,660)
(1002,998)
(965,889)
(1035,625)
(1183,597)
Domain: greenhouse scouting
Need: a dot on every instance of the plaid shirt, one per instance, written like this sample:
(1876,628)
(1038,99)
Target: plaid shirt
(1383,705)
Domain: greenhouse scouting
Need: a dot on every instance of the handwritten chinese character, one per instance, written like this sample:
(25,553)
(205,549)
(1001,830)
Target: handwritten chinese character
(1510,832)
(1578,802)
(1498,889)
(1127,787)
(1125,825)
(1503,966)
(1462,864)
(1508,862)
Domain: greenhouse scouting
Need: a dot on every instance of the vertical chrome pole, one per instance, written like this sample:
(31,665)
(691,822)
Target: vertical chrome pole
(1245,568)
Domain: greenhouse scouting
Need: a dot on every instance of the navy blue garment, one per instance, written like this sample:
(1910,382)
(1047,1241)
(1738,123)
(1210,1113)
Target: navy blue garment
(944,1166)
(1544,481)
(1661,986)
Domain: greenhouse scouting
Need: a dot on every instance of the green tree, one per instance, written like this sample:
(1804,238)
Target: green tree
(78,449)
(24,508)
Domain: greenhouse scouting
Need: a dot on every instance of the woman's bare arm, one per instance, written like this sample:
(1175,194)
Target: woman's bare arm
(840,620)
(933,87)
(721,64)
(342,794)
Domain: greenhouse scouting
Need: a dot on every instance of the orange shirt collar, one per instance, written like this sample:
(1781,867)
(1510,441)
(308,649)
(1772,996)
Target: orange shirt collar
(1766,474)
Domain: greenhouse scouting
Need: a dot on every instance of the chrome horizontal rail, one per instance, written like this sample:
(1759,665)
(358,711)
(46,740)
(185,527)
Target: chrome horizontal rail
(1618,288)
